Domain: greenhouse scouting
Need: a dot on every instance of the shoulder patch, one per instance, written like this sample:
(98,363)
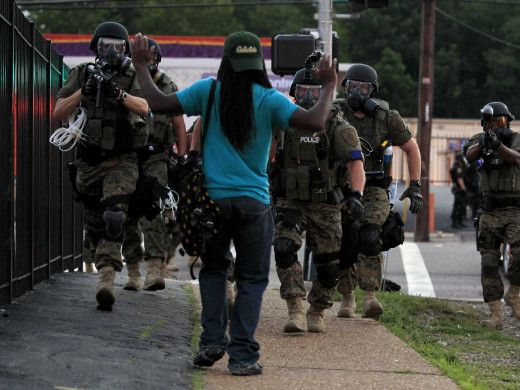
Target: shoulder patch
(397,122)
(349,135)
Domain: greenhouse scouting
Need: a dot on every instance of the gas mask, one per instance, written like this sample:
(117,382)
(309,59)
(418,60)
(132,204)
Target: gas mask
(306,96)
(152,68)
(358,94)
(111,50)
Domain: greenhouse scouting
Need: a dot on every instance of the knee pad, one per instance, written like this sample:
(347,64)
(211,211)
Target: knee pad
(369,237)
(284,252)
(489,263)
(114,225)
(327,269)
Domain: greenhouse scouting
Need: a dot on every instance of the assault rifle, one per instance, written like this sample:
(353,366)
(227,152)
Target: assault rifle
(102,77)
(486,117)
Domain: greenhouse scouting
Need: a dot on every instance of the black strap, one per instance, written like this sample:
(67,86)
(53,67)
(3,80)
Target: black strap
(208,114)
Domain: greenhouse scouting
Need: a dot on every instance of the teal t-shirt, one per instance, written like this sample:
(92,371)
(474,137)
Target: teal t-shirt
(229,172)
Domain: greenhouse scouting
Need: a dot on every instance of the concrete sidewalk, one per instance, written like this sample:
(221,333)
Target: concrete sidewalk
(352,354)
(54,338)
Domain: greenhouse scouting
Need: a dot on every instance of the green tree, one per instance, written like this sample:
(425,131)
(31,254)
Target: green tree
(400,89)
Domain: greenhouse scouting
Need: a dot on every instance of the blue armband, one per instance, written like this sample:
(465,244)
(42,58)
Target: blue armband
(356,155)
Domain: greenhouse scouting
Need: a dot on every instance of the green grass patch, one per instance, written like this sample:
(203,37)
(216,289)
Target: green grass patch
(146,331)
(197,377)
(449,335)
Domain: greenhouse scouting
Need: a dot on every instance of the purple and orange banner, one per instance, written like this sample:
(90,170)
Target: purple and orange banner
(171,45)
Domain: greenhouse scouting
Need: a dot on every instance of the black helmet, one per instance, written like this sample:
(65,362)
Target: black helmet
(110,30)
(156,50)
(299,78)
(361,72)
(500,109)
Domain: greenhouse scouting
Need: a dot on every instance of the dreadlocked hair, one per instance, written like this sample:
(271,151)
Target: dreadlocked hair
(236,102)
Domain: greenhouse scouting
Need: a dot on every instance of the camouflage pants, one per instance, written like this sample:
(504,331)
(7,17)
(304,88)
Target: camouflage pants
(322,223)
(368,270)
(112,182)
(153,231)
(502,225)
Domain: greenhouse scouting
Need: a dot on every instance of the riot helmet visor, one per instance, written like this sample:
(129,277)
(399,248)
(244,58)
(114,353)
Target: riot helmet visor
(364,88)
(498,121)
(106,44)
(302,89)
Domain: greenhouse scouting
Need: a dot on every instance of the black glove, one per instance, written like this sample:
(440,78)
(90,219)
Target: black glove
(113,90)
(191,163)
(414,193)
(90,87)
(492,140)
(353,205)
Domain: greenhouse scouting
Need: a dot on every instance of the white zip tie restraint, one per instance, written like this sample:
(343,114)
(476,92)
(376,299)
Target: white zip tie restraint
(171,203)
(74,133)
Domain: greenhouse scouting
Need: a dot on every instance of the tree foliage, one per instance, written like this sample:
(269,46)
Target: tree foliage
(476,44)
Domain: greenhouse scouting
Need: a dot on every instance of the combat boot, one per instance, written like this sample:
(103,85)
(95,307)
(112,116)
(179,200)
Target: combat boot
(105,295)
(495,319)
(89,268)
(165,274)
(297,321)
(153,281)
(230,294)
(512,299)
(315,321)
(372,308)
(134,277)
(347,306)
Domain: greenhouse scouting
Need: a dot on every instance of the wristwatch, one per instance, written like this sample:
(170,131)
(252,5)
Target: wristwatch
(123,96)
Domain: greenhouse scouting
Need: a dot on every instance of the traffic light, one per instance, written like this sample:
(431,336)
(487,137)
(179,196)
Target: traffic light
(361,5)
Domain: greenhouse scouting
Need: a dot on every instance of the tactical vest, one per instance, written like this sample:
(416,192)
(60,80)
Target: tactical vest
(372,133)
(501,176)
(111,127)
(161,127)
(305,176)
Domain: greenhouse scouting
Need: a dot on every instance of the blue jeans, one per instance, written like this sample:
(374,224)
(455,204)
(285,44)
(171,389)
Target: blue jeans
(249,223)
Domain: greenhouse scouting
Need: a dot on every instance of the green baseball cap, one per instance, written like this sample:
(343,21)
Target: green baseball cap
(244,51)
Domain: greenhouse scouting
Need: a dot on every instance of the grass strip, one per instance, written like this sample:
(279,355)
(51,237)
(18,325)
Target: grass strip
(450,336)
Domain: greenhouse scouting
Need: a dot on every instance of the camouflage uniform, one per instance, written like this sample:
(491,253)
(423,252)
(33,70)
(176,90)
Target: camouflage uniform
(153,162)
(303,204)
(107,168)
(499,220)
(387,125)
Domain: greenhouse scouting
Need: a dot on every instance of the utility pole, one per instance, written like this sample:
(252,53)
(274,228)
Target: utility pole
(422,222)
(325,26)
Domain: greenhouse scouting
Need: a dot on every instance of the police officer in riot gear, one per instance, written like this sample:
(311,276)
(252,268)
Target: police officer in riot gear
(165,130)
(107,167)
(310,170)
(378,127)
(498,146)
(458,188)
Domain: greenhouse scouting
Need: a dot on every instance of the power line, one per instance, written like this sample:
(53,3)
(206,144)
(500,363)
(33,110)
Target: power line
(101,4)
(476,30)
